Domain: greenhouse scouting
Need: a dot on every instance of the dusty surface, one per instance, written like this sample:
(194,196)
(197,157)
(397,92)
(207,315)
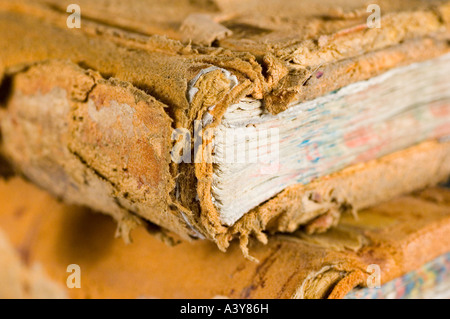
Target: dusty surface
(154,48)
(399,236)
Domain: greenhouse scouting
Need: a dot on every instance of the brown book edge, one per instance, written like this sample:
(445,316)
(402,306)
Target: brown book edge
(49,40)
(398,236)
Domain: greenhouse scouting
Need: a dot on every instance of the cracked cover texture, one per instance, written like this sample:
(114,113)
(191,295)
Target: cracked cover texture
(399,236)
(142,60)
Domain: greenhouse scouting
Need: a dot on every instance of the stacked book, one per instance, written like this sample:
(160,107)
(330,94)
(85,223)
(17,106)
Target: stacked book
(265,149)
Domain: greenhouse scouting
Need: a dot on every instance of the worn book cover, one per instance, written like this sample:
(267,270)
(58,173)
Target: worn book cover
(257,149)
(397,249)
(220,119)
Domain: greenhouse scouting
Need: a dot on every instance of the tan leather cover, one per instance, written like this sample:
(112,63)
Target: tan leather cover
(148,51)
(398,236)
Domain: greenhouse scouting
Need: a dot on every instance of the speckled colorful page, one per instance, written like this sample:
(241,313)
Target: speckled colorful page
(432,280)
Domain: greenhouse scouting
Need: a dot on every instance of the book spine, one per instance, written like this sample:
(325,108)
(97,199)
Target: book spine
(94,142)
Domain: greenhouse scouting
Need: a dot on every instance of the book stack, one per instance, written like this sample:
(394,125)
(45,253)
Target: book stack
(265,149)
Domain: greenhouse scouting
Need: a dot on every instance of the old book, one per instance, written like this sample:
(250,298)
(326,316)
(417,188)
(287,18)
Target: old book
(221,120)
(405,241)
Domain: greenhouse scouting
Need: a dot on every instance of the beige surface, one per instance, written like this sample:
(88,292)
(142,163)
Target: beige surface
(271,52)
(399,236)
(20,279)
